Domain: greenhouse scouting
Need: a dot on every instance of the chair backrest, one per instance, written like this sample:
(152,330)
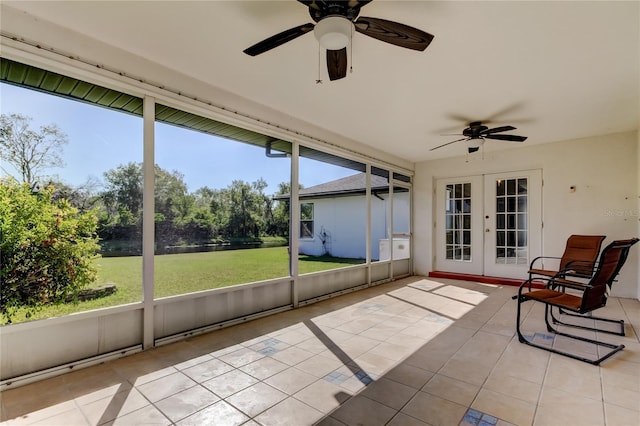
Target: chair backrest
(611,260)
(581,253)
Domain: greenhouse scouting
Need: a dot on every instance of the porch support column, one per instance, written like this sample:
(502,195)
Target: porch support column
(148,222)
(368,237)
(294,222)
(392,255)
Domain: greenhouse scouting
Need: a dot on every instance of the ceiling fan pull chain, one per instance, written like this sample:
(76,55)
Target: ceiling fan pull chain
(319,80)
(351,49)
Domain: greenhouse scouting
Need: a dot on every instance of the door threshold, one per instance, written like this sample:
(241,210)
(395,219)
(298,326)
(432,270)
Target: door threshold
(477,278)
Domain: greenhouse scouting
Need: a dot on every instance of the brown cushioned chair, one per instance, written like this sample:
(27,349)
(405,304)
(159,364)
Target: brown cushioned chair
(585,298)
(578,259)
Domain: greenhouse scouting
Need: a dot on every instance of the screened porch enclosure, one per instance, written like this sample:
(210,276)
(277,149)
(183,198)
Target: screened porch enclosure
(144,241)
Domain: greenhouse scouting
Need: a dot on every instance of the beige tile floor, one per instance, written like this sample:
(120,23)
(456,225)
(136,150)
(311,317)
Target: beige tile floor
(413,352)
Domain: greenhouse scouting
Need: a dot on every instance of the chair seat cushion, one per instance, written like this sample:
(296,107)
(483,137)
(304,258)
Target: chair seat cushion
(556,298)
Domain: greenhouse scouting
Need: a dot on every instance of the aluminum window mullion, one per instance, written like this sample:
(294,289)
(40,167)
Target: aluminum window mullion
(294,222)
(148,221)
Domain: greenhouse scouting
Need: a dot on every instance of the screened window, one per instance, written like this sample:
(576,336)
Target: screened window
(306,220)
(94,170)
(216,221)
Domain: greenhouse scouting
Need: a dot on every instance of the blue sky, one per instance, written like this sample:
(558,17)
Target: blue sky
(101,139)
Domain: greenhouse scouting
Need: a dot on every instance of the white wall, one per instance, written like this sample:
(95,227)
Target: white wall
(604,170)
(345,219)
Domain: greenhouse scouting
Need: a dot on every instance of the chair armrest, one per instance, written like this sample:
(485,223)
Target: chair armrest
(528,283)
(568,283)
(541,257)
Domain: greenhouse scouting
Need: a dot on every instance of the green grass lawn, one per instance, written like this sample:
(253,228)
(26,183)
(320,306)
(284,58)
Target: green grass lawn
(186,273)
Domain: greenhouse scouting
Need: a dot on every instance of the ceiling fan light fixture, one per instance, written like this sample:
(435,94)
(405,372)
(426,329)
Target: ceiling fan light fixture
(474,143)
(333,32)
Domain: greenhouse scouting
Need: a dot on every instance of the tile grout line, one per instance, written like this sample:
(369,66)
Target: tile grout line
(497,361)
(544,380)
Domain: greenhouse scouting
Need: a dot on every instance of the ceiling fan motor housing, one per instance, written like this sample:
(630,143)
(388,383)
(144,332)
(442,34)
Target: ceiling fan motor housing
(321,9)
(474,130)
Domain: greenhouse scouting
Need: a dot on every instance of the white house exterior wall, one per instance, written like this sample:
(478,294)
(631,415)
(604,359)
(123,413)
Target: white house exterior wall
(344,218)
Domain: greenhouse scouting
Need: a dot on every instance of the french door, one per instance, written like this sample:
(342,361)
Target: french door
(489,224)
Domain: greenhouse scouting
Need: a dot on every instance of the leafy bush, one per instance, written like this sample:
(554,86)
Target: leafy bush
(46,248)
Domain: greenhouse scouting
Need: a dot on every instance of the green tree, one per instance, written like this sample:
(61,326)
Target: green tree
(281,210)
(83,197)
(46,251)
(30,151)
(171,196)
(248,207)
(176,220)
(123,193)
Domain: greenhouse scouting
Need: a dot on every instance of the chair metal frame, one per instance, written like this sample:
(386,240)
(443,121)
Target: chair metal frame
(578,260)
(594,296)
(620,332)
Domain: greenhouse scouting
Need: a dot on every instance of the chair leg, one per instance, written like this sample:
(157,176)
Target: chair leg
(614,348)
(523,339)
(571,314)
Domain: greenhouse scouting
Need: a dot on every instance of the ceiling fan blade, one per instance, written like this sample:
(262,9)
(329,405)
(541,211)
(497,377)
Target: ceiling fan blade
(448,143)
(500,114)
(393,32)
(497,129)
(337,63)
(278,39)
(511,138)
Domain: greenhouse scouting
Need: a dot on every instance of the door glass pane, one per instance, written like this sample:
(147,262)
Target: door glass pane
(522,186)
(466,253)
(466,221)
(511,228)
(458,222)
(466,190)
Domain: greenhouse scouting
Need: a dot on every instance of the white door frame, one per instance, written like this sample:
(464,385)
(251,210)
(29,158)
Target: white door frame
(473,264)
(483,259)
(529,229)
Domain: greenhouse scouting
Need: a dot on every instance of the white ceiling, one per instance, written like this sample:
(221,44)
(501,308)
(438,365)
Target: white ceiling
(555,70)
